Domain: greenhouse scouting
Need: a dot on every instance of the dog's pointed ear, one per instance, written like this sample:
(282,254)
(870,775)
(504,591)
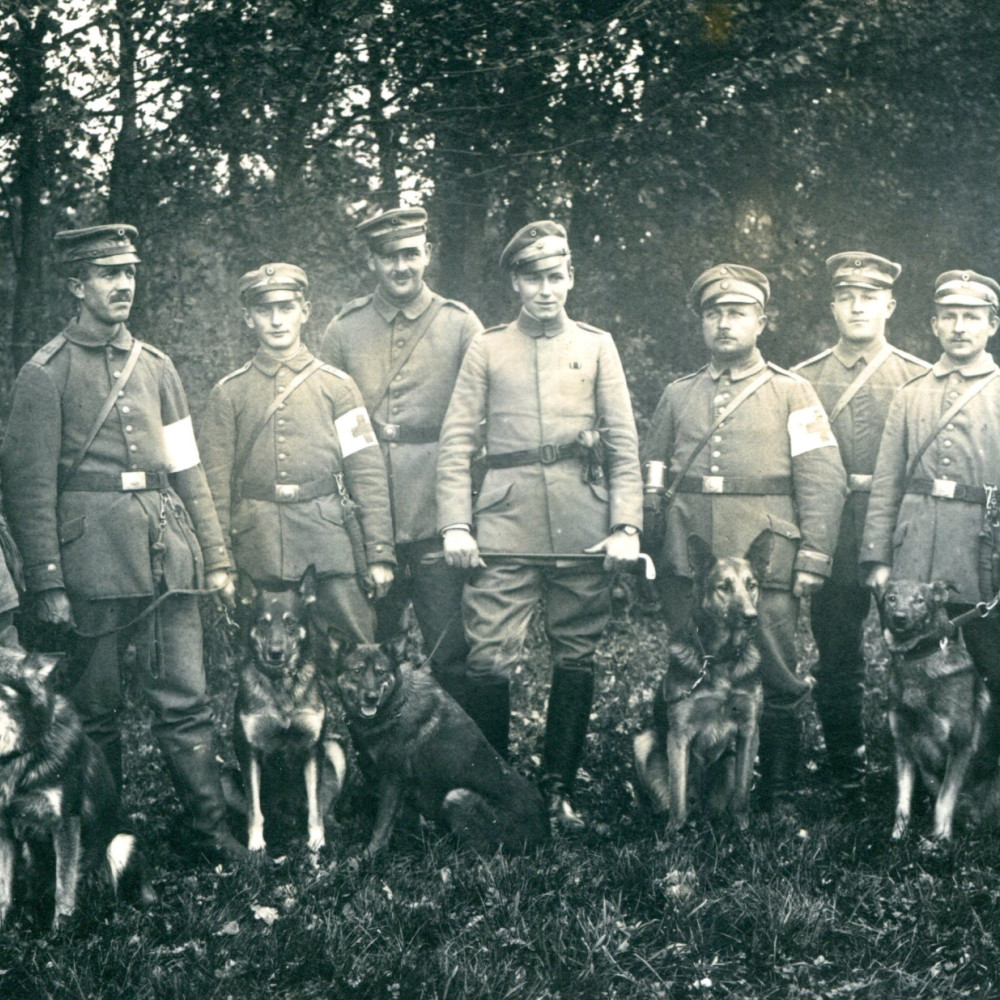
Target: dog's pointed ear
(700,554)
(759,554)
(246,590)
(940,590)
(397,649)
(9,638)
(43,664)
(308,586)
(338,645)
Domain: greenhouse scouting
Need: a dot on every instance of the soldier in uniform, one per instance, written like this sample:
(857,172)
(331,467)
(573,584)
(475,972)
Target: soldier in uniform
(932,496)
(855,381)
(283,439)
(108,502)
(403,345)
(746,447)
(562,477)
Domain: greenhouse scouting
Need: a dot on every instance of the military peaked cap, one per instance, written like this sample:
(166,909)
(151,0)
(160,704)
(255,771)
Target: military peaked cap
(856,268)
(112,244)
(396,229)
(273,278)
(535,247)
(729,283)
(965,288)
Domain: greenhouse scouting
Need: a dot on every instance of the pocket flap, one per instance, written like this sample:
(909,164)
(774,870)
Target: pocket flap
(782,527)
(331,509)
(493,497)
(72,529)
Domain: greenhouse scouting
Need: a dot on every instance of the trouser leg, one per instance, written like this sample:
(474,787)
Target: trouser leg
(342,604)
(838,613)
(982,639)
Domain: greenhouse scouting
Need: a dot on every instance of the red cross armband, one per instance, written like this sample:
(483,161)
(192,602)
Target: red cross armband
(355,431)
(809,429)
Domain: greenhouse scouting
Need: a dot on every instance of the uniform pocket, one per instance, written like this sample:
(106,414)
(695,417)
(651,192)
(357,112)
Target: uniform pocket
(72,529)
(493,498)
(330,509)
(899,535)
(600,491)
(244,518)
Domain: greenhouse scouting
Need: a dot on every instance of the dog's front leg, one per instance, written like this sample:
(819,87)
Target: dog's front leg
(747,742)
(317,836)
(8,852)
(947,797)
(389,798)
(906,772)
(66,841)
(677,762)
(255,814)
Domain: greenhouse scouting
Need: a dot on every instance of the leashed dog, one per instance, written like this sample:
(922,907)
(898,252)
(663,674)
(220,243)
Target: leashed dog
(58,802)
(413,739)
(706,710)
(280,711)
(937,701)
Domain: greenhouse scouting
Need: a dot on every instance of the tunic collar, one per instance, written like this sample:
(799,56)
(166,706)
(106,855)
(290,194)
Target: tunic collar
(536,328)
(849,356)
(120,337)
(983,365)
(269,364)
(411,310)
(751,366)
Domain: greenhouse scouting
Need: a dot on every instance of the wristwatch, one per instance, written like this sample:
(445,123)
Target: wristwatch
(627,529)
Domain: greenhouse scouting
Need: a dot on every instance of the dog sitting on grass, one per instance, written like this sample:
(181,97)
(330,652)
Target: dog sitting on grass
(706,710)
(414,740)
(59,808)
(938,703)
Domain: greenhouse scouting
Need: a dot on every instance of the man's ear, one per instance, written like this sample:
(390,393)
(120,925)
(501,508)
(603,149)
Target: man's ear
(247,318)
(75,286)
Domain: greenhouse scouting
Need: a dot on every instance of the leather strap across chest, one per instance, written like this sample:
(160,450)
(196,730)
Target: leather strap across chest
(859,381)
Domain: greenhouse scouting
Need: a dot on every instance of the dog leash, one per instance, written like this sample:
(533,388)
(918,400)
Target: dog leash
(981,609)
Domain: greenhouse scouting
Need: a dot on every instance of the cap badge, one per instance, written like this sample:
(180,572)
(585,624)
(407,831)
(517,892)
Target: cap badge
(533,233)
(269,270)
(723,270)
(725,285)
(395,221)
(857,263)
(965,277)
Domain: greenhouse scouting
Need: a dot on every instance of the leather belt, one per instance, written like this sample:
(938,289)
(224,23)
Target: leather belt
(548,454)
(133,481)
(755,485)
(287,492)
(947,489)
(406,433)
(858,483)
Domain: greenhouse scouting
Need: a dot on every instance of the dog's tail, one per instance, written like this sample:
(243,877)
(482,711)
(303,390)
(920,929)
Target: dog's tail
(126,869)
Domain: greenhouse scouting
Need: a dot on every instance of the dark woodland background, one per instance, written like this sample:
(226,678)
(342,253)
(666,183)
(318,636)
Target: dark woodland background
(667,134)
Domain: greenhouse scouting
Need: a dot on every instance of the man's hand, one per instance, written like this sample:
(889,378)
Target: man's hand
(382,575)
(53,607)
(804,583)
(620,550)
(221,581)
(461,549)
(878,577)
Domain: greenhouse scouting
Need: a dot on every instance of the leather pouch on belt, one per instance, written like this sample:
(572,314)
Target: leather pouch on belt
(785,541)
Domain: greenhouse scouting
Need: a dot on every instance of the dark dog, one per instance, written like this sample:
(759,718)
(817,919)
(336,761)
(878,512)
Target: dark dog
(937,700)
(280,711)
(413,738)
(706,711)
(58,802)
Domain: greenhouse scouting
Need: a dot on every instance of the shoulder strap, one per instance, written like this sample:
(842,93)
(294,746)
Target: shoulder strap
(959,404)
(396,367)
(109,401)
(244,455)
(747,392)
(860,380)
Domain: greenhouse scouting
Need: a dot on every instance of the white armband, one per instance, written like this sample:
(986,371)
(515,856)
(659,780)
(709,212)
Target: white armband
(180,445)
(809,429)
(354,431)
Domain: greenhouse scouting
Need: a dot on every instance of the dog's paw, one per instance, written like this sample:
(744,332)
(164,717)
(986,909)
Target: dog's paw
(317,840)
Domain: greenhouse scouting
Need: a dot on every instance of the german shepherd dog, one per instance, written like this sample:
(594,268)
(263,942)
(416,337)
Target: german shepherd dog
(706,710)
(937,700)
(413,738)
(58,801)
(280,712)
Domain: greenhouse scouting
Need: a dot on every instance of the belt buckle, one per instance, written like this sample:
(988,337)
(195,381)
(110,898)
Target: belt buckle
(390,431)
(286,491)
(943,488)
(133,480)
(548,454)
(712,484)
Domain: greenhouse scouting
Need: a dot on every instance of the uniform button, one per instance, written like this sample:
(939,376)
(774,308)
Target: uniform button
(947,443)
(281,456)
(116,374)
(121,392)
(51,567)
(717,400)
(717,438)
(949,427)
(128,428)
(126,409)
(283,475)
(134,465)
(946,461)
(133,447)
(281,388)
(392,444)
(281,422)
(398,378)
(395,409)
(714,468)
(401,343)
(281,406)
(716,454)
(378,548)
(281,439)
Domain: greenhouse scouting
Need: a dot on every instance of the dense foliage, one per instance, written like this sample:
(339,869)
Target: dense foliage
(667,134)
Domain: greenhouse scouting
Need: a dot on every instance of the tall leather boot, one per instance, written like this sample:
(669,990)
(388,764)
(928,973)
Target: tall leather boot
(195,773)
(566,722)
(112,750)
(780,758)
(487,703)
(844,736)
(454,684)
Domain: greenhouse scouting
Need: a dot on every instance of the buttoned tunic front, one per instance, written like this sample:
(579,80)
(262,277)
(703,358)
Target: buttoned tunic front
(366,340)
(930,537)
(319,430)
(96,543)
(779,432)
(538,384)
(858,429)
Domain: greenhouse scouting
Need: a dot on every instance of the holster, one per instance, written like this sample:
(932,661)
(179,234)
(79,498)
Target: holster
(989,562)
(592,455)
(356,534)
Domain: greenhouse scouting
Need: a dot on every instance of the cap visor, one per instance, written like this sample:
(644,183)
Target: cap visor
(399,243)
(854,283)
(733,297)
(541,264)
(117,258)
(962,300)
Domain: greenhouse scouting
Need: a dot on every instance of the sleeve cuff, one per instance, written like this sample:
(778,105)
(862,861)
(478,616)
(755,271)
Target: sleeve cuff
(216,557)
(380,552)
(44,576)
(811,561)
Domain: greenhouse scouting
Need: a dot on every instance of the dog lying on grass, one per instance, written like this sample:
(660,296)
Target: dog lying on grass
(937,702)
(706,710)
(280,711)
(58,802)
(413,739)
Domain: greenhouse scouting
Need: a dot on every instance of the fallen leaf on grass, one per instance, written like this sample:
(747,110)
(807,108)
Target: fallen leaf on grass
(266,913)
(229,929)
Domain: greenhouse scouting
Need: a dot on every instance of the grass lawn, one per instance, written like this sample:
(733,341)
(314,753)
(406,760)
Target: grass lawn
(821,907)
